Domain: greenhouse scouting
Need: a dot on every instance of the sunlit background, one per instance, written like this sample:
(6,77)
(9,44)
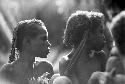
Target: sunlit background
(54,13)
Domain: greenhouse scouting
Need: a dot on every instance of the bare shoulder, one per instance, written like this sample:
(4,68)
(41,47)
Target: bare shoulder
(64,59)
(7,71)
(6,67)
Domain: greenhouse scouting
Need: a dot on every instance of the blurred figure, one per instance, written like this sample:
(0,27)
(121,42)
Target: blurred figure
(30,40)
(84,33)
(118,60)
(62,80)
(102,6)
(107,78)
(115,63)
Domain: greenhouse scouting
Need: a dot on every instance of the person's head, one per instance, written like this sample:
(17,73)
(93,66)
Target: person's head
(118,31)
(30,36)
(62,80)
(80,22)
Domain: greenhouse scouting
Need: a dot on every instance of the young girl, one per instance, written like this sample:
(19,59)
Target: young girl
(84,32)
(30,40)
(116,62)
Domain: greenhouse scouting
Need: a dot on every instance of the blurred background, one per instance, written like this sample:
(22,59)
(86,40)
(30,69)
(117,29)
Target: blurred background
(54,13)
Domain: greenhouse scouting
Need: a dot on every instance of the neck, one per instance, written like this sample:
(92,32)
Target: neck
(26,59)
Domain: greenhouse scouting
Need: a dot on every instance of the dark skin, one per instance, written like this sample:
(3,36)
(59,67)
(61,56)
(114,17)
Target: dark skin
(107,78)
(85,65)
(116,62)
(31,48)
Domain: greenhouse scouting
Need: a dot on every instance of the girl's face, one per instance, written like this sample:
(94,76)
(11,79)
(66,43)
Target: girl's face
(97,39)
(40,45)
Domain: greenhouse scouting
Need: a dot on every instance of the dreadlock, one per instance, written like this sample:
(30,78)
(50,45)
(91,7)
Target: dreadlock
(22,30)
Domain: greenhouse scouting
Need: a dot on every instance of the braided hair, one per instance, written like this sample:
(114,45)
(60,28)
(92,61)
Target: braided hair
(26,28)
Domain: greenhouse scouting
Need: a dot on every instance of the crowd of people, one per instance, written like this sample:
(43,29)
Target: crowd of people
(97,55)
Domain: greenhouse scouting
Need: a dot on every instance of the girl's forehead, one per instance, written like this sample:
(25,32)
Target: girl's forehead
(43,33)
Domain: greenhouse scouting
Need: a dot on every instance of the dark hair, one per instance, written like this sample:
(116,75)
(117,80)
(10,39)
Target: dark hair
(26,28)
(118,31)
(78,23)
